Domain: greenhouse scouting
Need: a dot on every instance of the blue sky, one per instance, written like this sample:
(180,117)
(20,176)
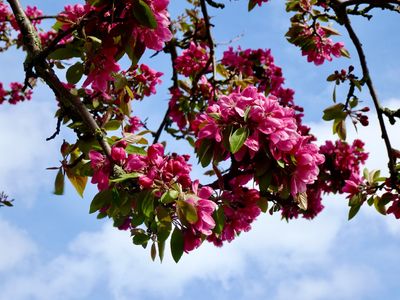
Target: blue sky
(51,248)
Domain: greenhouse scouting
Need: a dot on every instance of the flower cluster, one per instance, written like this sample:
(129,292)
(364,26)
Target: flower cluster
(73,15)
(143,80)
(192,60)
(240,207)
(102,67)
(108,41)
(323,48)
(259,67)
(342,162)
(263,140)
(15,94)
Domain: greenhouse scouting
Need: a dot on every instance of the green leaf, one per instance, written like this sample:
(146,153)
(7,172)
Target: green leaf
(237,139)
(164,224)
(177,244)
(264,181)
(246,113)
(124,177)
(263,204)
(334,94)
(353,102)
(59,183)
(188,210)
(219,217)
(74,73)
(334,112)
(148,204)
(205,153)
(143,14)
(331,77)
(379,205)
(251,5)
(345,53)
(353,211)
(169,196)
(140,238)
(135,50)
(153,251)
(112,125)
(161,249)
(79,182)
(100,200)
(130,149)
(64,53)
(339,127)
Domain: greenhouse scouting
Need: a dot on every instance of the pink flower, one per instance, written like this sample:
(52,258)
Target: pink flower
(155,38)
(352,186)
(205,208)
(192,60)
(101,168)
(102,67)
(72,15)
(395,209)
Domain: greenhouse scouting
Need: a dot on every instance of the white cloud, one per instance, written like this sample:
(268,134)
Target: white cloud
(24,152)
(16,247)
(342,282)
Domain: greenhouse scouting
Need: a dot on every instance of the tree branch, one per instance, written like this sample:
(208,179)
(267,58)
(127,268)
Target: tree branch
(33,45)
(344,18)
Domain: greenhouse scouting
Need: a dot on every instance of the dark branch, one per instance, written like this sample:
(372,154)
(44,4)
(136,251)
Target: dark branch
(342,14)
(33,45)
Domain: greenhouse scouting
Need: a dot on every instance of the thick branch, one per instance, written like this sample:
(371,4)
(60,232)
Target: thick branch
(367,78)
(377,3)
(32,43)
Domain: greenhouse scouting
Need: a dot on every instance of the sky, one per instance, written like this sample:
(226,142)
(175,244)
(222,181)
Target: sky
(51,248)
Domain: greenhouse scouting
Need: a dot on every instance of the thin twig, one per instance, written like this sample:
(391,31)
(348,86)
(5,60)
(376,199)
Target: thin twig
(344,18)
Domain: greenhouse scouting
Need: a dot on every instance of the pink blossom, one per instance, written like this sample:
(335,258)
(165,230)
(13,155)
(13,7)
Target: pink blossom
(192,60)
(102,67)
(73,14)
(101,168)
(395,209)
(155,38)
(205,208)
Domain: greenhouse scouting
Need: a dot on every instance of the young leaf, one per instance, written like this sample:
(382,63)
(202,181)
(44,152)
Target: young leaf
(140,238)
(100,200)
(143,14)
(251,5)
(205,153)
(353,211)
(124,177)
(153,251)
(161,250)
(169,196)
(148,204)
(177,244)
(188,210)
(112,125)
(74,73)
(79,182)
(59,183)
(237,139)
